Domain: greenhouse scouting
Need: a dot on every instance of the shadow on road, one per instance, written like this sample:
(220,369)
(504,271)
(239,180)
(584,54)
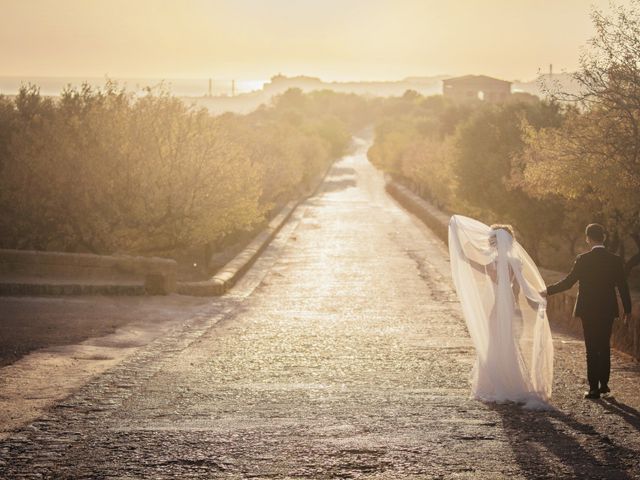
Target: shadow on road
(331,186)
(545,442)
(339,171)
(627,413)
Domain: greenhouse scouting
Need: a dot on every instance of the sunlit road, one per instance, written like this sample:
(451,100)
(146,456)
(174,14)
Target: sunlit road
(342,354)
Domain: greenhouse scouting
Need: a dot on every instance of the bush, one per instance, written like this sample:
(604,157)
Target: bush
(103,171)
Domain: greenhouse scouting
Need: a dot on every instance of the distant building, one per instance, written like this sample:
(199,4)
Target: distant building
(476,87)
(280,83)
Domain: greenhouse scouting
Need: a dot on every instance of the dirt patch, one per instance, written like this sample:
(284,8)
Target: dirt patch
(50,346)
(31,323)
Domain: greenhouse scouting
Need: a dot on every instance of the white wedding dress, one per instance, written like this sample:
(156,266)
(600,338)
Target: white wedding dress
(498,286)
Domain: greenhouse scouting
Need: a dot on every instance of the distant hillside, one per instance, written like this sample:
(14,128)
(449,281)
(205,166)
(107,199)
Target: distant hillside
(279,84)
(540,86)
(424,85)
(192,91)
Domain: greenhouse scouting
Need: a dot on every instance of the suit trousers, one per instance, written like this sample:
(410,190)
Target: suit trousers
(597,339)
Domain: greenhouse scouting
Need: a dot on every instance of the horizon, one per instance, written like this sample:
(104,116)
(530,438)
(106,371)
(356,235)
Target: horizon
(52,85)
(370,41)
(293,75)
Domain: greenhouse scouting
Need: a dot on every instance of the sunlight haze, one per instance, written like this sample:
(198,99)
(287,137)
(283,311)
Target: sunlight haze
(250,39)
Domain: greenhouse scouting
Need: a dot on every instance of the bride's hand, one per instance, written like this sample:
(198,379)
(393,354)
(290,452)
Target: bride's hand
(543,293)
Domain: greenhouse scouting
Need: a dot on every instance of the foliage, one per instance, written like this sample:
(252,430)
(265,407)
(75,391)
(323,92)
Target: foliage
(484,168)
(103,171)
(593,159)
(547,167)
(462,157)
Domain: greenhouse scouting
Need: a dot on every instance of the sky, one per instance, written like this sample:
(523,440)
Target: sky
(255,39)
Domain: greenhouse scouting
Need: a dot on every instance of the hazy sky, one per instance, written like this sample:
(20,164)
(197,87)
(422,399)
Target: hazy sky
(254,39)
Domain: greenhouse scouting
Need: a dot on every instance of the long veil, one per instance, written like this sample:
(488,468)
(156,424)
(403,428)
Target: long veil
(498,285)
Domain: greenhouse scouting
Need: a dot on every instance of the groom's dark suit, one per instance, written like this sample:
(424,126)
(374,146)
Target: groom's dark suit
(598,272)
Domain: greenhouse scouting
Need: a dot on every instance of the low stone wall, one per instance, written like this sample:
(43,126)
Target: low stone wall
(625,338)
(228,275)
(232,271)
(53,273)
(434,218)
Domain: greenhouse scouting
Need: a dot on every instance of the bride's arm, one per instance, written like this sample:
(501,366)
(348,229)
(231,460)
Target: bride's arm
(488,269)
(515,285)
(533,297)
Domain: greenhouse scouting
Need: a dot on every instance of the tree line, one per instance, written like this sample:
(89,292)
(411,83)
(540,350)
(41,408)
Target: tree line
(104,171)
(548,167)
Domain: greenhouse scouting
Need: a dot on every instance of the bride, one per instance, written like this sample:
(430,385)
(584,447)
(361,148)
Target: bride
(498,286)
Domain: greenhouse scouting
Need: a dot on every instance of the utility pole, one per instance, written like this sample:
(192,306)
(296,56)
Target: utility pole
(233,88)
(550,69)
(210,88)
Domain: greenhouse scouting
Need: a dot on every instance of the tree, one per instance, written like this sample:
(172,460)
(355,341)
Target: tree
(101,171)
(485,162)
(427,162)
(594,157)
(7,118)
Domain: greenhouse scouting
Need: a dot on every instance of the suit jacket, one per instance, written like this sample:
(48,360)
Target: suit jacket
(598,272)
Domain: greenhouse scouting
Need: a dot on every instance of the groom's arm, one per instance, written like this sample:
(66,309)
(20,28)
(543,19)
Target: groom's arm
(567,282)
(623,287)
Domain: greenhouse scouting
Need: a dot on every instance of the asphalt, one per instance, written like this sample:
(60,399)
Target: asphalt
(342,353)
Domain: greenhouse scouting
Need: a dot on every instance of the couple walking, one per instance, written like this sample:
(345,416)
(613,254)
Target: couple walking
(503,299)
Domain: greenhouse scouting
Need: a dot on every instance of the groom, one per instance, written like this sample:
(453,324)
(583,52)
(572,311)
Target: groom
(598,273)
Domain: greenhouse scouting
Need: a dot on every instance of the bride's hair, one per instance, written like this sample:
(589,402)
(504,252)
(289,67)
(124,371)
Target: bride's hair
(504,226)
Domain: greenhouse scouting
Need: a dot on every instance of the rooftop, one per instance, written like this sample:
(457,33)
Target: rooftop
(474,79)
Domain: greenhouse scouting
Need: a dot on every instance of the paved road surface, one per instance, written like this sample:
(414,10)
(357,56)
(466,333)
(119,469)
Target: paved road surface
(342,354)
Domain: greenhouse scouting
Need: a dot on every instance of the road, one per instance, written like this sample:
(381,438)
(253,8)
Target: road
(341,354)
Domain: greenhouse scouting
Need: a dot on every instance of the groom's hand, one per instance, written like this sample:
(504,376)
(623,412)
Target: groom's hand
(543,293)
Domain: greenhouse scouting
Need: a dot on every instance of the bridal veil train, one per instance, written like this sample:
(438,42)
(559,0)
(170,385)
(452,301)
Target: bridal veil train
(498,286)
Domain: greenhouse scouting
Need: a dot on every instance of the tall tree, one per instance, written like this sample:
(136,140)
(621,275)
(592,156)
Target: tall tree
(594,158)
(483,166)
